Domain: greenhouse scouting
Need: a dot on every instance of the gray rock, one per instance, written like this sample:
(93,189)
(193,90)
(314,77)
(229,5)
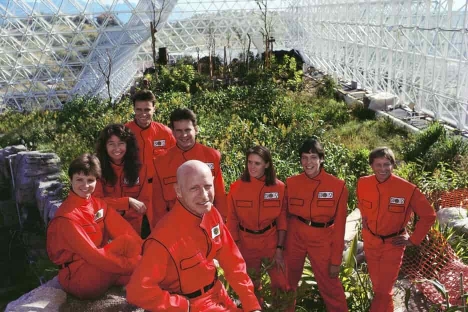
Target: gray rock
(51,298)
(31,167)
(448,216)
(47,190)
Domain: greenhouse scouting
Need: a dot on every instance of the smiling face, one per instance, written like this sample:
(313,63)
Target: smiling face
(83,185)
(144,111)
(382,168)
(194,188)
(256,166)
(116,149)
(311,164)
(184,132)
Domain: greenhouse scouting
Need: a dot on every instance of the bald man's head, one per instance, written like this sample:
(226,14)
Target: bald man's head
(194,187)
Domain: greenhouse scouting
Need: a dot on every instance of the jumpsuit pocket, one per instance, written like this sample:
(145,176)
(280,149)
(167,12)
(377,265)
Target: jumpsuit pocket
(396,208)
(326,203)
(244,203)
(170,180)
(191,262)
(366,204)
(271,203)
(131,191)
(296,202)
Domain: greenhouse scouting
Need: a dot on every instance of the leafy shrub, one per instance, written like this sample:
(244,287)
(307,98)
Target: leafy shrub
(423,141)
(327,88)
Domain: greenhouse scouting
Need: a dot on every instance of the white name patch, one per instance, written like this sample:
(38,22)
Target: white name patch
(271,195)
(325,195)
(137,181)
(211,165)
(215,231)
(159,143)
(397,200)
(99,214)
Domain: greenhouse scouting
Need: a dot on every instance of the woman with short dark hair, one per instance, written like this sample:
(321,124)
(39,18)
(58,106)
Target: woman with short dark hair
(78,237)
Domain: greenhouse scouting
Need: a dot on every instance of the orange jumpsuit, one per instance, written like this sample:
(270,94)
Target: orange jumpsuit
(116,196)
(164,195)
(153,141)
(386,209)
(314,204)
(177,269)
(88,264)
(255,207)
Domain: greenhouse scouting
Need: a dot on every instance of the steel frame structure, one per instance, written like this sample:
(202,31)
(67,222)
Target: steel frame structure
(51,50)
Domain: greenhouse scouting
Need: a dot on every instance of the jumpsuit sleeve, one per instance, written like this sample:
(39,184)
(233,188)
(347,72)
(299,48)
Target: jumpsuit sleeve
(144,291)
(111,258)
(158,202)
(281,221)
(235,271)
(421,207)
(118,203)
(220,201)
(339,228)
(232,220)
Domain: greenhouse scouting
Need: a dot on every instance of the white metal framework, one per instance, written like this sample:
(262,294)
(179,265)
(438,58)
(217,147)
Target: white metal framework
(416,49)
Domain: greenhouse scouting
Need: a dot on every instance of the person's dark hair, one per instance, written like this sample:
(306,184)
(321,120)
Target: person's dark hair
(182,114)
(86,164)
(264,153)
(131,160)
(382,151)
(143,95)
(312,145)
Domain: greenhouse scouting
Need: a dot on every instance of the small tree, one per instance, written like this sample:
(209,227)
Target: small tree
(156,15)
(105,68)
(266,28)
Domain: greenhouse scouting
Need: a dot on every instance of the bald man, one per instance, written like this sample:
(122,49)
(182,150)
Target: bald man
(177,272)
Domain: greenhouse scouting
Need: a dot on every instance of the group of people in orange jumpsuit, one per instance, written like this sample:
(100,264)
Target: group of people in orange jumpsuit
(164,173)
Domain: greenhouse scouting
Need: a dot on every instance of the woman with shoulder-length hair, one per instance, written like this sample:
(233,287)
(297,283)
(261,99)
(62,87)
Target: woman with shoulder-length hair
(257,215)
(124,183)
(78,236)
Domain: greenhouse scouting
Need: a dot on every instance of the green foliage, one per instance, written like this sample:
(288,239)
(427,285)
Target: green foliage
(448,148)
(423,141)
(327,88)
(360,112)
(176,78)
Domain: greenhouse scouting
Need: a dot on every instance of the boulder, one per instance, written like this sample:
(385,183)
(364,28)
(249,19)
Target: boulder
(48,297)
(448,216)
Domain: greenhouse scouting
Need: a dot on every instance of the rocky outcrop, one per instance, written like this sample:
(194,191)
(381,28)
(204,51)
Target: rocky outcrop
(51,298)
(5,173)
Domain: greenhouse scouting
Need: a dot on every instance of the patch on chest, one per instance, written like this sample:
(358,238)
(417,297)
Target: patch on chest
(215,231)
(159,143)
(397,200)
(99,214)
(211,165)
(327,195)
(125,181)
(271,195)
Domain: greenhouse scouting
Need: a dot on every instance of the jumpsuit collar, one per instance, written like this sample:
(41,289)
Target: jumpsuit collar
(390,178)
(319,176)
(190,218)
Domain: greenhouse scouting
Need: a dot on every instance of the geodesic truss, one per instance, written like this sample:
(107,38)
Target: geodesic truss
(53,49)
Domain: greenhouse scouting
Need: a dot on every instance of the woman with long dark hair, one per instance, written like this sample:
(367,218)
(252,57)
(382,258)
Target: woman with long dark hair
(124,184)
(257,216)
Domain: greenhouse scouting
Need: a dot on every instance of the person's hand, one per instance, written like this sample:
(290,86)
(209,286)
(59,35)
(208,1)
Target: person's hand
(402,240)
(278,259)
(333,270)
(137,205)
